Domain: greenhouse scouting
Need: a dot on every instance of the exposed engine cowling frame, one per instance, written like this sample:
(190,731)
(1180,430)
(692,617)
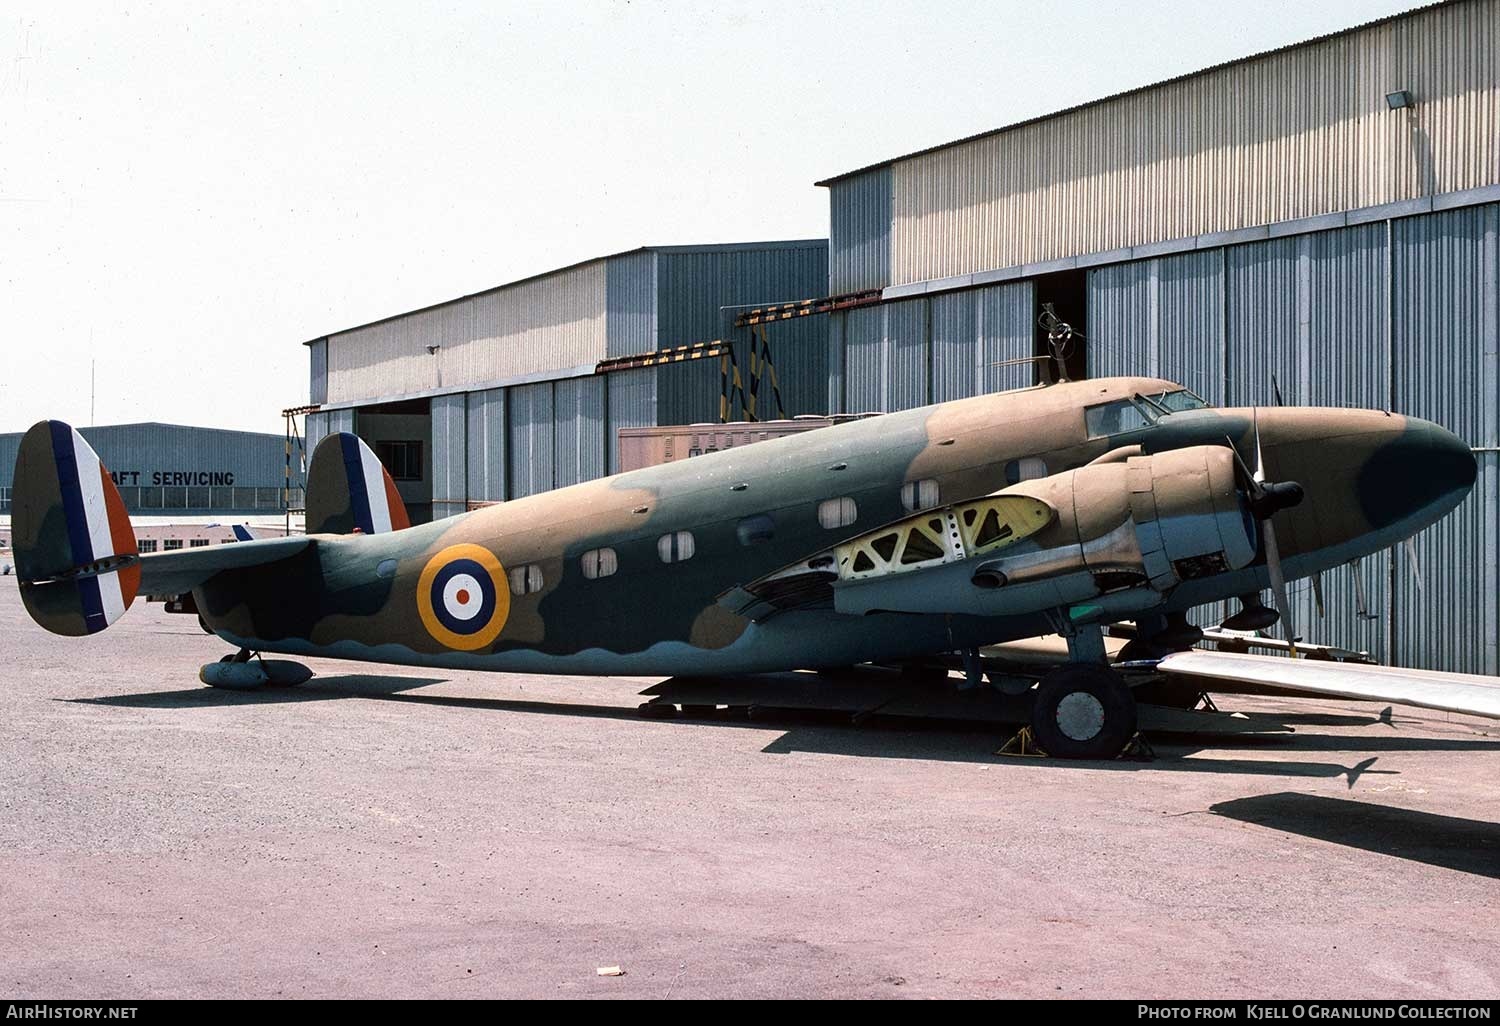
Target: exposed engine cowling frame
(1120,536)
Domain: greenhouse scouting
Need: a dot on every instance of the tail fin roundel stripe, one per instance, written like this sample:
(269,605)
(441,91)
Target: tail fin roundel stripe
(69,523)
(349,490)
(368,498)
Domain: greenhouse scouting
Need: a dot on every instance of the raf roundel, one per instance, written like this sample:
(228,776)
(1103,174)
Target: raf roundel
(462,597)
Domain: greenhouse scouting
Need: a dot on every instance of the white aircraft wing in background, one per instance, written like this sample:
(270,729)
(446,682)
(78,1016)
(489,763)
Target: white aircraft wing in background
(1429,689)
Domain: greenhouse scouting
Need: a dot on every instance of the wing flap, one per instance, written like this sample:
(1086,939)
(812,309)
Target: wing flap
(1428,689)
(180,571)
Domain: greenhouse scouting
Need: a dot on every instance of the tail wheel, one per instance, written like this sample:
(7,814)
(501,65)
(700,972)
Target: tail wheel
(1083,711)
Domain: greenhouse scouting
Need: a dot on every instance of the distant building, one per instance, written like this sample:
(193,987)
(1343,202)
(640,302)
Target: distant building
(171,470)
(501,394)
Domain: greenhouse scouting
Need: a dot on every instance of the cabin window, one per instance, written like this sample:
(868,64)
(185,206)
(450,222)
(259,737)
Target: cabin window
(676,547)
(1026,469)
(836,513)
(599,563)
(756,529)
(917,495)
(1177,401)
(146,545)
(171,544)
(526,580)
(1113,418)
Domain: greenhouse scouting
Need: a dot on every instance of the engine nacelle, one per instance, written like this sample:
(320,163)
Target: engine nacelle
(1153,520)
(1131,529)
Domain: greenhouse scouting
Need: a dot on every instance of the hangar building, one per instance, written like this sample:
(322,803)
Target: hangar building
(501,394)
(171,470)
(1327,214)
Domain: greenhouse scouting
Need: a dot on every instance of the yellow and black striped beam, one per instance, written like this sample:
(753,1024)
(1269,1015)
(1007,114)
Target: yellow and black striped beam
(695,351)
(806,308)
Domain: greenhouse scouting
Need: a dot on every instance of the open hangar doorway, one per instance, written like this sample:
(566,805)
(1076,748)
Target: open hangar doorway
(400,435)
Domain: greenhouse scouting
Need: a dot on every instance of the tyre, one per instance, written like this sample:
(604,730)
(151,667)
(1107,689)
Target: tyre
(1083,711)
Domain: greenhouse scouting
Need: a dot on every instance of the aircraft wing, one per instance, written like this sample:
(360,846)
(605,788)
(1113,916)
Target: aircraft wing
(180,571)
(1449,692)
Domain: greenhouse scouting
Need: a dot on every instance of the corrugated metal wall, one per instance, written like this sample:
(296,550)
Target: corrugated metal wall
(919,351)
(1446,321)
(838,335)
(315,429)
(1293,134)
(697,293)
(631,400)
(552,323)
(1342,318)
(1311,312)
(530,445)
(578,409)
(317,354)
(631,302)
(486,442)
(867,361)
(1160,317)
(320,425)
(859,215)
(974,333)
(449,456)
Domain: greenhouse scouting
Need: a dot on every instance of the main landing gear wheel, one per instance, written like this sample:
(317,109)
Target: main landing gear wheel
(1083,711)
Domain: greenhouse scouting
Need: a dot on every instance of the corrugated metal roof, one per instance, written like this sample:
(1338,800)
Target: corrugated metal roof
(708,247)
(1138,89)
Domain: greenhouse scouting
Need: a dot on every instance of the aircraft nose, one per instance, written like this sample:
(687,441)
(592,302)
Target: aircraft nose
(1424,470)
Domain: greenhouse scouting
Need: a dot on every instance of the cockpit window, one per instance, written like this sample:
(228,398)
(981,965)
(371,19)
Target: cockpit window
(1114,418)
(1178,400)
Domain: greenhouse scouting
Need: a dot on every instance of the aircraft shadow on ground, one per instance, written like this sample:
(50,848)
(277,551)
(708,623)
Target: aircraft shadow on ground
(1467,845)
(833,733)
(319,689)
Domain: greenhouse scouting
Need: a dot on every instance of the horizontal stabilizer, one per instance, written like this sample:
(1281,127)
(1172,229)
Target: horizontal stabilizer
(349,491)
(180,571)
(1427,689)
(75,549)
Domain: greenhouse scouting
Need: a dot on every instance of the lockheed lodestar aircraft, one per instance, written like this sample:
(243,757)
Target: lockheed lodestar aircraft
(1052,510)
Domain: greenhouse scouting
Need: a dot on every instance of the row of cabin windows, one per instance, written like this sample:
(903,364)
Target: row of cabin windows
(680,546)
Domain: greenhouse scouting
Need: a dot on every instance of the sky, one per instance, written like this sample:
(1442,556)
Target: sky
(190,191)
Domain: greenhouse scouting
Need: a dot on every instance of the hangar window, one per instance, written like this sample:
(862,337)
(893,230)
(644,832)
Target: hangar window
(146,545)
(676,547)
(402,458)
(836,513)
(1113,418)
(526,580)
(756,529)
(599,563)
(198,543)
(917,495)
(171,544)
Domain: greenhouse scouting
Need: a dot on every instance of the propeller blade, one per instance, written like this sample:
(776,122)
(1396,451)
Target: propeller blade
(1260,466)
(1318,595)
(1278,584)
(1416,568)
(1246,475)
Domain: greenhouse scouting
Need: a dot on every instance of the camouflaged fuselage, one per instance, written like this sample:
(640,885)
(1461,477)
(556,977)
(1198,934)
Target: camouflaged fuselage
(1370,478)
